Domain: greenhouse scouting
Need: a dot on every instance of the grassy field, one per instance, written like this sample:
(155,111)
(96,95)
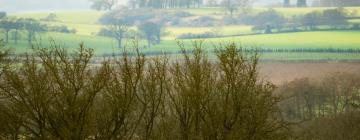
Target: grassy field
(335,39)
(80,17)
(87,28)
(355,21)
(81,29)
(87,25)
(83,17)
(321,39)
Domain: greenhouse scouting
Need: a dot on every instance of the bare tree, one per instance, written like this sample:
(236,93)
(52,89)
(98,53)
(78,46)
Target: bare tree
(118,28)
(59,95)
(120,115)
(192,86)
(54,100)
(7,25)
(153,90)
(231,6)
(151,32)
(32,27)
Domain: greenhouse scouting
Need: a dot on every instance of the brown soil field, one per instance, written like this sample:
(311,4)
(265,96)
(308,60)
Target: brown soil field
(279,73)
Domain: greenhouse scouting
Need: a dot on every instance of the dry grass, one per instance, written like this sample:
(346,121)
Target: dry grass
(279,73)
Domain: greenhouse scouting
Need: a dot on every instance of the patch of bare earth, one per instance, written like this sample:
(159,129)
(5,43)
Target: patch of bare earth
(279,73)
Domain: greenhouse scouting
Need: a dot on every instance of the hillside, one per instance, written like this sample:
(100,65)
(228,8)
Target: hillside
(297,45)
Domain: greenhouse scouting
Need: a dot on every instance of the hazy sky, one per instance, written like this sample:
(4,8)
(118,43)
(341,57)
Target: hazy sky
(49,5)
(41,5)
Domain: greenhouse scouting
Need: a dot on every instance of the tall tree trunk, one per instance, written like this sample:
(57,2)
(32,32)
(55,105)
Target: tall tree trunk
(301,3)
(16,36)
(286,3)
(30,36)
(7,36)
(158,40)
(149,42)
(119,42)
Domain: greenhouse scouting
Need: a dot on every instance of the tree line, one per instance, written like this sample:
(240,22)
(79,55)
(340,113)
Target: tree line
(336,3)
(229,4)
(118,22)
(14,27)
(324,3)
(111,4)
(326,107)
(271,20)
(31,26)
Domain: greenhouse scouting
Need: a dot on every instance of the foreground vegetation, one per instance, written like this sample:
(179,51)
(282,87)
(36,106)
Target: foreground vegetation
(55,94)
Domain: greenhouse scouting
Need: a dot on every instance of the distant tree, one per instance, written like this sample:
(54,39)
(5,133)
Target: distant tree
(130,16)
(32,27)
(286,3)
(18,25)
(106,5)
(335,17)
(2,15)
(268,20)
(231,6)
(211,2)
(7,25)
(165,3)
(132,4)
(51,17)
(3,53)
(301,3)
(151,31)
(332,17)
(312,20)
(118,28)
(355,26)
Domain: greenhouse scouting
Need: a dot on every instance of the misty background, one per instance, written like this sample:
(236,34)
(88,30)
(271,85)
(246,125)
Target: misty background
(14,6)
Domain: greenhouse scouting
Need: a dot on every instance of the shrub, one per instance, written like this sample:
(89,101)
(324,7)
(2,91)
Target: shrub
(61,29)
(203,21)
(266,21)
(182,14)
(105,32)
(340,127)
(231,21)
(50,18)
(335,17)
(355,26)
(2,14)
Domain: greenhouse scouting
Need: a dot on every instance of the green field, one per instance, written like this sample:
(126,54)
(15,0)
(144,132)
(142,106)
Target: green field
(81,17)
(334,39)
(87,28)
